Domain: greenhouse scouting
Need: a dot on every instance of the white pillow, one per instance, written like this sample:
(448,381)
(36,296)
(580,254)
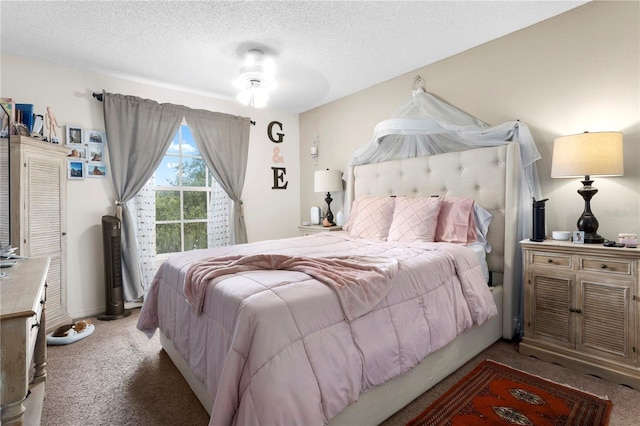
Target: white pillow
(483,220)
(370,217)
(415,219)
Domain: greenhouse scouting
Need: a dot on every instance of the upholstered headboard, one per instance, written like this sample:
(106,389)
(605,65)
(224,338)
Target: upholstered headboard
(491,176)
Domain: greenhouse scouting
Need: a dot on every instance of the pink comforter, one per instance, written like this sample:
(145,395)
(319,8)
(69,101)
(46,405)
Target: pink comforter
(274,347)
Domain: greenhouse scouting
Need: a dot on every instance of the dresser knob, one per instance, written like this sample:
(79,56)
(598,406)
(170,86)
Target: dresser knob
(549,260)
(603,266)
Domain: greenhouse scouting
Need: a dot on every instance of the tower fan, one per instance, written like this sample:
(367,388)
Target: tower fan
(112,269)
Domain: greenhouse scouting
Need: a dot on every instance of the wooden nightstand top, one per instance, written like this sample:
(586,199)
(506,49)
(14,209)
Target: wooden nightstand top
(569,246)
(311,229)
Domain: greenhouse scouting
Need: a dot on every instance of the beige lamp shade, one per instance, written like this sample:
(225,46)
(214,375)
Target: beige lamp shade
(327,181)
(588,154)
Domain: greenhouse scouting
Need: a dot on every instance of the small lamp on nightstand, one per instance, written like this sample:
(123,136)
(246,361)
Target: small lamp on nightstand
(588,154)
(328,181)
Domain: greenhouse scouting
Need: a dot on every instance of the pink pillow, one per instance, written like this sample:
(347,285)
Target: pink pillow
(415,219)
(455,222)
(370,217)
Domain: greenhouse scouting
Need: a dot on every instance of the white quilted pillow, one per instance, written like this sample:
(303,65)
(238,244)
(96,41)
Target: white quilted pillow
(415,219)
(371,217)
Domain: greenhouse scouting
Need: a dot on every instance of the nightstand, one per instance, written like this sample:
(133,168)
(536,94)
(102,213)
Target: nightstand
(313,229)
(582,308)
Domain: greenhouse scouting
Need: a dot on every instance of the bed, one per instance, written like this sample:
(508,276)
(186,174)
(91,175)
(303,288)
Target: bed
(254,370)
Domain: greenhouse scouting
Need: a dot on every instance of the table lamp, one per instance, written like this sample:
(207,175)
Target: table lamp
(328,181)
(588,154)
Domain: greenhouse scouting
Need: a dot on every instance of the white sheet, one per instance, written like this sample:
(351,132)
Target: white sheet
(479,250)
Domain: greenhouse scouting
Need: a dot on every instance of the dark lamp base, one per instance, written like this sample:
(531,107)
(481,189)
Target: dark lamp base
(593,239)
(587,221)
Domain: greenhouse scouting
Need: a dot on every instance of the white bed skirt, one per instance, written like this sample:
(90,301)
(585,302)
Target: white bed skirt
(381,402)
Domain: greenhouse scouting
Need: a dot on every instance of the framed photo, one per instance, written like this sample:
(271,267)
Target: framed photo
(578,237)
(78,153)
(76,169)
(96,136)
(96,169)
(75,135)
(95,152)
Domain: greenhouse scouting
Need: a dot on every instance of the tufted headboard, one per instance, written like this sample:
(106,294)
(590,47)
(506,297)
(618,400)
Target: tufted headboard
(489,175)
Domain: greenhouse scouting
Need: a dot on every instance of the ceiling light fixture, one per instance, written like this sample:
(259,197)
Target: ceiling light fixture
(256,79)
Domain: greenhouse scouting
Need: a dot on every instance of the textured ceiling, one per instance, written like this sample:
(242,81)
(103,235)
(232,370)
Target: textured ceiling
(323,50)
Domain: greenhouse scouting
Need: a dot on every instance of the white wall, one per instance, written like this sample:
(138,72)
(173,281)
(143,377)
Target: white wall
(268,213)
(579,71)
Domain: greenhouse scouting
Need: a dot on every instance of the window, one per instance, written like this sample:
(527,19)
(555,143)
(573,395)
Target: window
(181,208)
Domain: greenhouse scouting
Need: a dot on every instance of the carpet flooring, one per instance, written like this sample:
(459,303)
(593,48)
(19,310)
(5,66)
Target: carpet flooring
(118,377)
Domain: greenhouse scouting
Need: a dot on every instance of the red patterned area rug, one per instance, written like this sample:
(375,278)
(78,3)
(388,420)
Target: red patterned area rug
(494,394)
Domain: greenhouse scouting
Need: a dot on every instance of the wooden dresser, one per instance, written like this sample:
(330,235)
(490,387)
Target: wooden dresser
(23,344)
(582,308)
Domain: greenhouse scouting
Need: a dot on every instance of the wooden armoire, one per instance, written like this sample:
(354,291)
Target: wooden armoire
(38,173)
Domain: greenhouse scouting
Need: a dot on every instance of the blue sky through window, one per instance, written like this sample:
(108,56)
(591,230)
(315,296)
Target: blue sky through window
(183,141)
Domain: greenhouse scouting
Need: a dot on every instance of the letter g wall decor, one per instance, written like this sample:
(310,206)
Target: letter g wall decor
(278,172)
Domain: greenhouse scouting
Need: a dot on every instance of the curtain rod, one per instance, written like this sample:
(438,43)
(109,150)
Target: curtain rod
(98,96)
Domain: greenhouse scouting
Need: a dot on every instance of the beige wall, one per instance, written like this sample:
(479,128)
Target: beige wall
(575,72)
(268,213)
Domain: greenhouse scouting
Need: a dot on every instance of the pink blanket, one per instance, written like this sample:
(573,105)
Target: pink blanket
(273,347)
(360,282)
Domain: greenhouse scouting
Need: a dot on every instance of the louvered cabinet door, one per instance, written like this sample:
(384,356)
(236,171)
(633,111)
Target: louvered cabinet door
(39,170)
(550,300)
(605,325)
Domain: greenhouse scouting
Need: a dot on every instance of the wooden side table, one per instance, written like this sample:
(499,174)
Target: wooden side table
(581,308)
(313,229)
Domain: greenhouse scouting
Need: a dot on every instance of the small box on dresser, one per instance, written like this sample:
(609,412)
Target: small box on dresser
(581,308)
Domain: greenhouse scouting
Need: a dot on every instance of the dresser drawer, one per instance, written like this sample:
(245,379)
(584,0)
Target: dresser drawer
(553,260)
(610,266)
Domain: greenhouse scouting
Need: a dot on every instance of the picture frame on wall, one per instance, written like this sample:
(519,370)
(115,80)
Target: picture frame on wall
(95,169)
(75,169)
(96,136)
(95,152)
(77,152)
(75,135)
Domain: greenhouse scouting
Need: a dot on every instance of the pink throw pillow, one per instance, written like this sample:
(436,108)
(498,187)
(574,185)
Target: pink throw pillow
(455,222)
(370,217)
(415,219)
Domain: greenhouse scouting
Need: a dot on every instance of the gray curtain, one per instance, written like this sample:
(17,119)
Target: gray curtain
(223,141)
(139,132)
